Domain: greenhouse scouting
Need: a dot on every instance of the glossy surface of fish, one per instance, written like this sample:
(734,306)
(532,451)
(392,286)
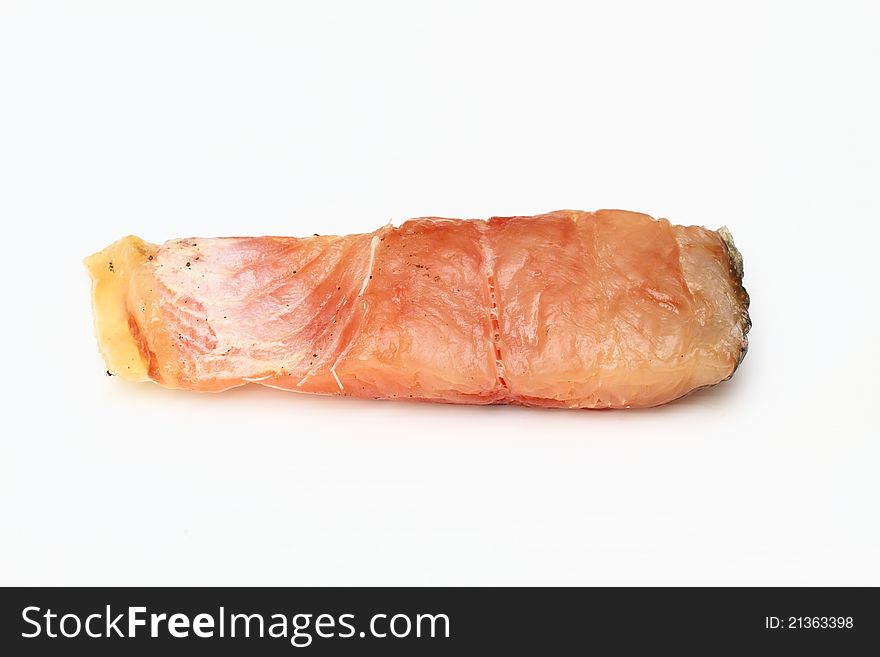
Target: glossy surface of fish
(610,309)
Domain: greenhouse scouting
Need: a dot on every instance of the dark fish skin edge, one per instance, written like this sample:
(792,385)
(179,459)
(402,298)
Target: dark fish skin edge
(735,262)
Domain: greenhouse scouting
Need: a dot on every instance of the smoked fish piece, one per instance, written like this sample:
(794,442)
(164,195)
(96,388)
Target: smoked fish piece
(571,309)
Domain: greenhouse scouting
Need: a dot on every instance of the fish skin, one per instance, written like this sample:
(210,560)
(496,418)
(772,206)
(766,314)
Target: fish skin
(571,309)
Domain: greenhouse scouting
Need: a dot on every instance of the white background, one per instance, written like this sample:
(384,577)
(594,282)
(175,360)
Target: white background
(169,119)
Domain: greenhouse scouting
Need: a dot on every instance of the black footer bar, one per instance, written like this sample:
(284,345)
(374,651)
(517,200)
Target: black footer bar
(428,621)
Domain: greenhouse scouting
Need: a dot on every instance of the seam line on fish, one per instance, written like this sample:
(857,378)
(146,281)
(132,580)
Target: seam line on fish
(373,244)
(488,257)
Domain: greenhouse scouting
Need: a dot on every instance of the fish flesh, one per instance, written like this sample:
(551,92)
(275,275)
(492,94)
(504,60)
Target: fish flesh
(572,309)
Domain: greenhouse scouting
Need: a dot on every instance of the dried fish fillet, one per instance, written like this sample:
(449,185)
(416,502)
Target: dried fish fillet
(606,309)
